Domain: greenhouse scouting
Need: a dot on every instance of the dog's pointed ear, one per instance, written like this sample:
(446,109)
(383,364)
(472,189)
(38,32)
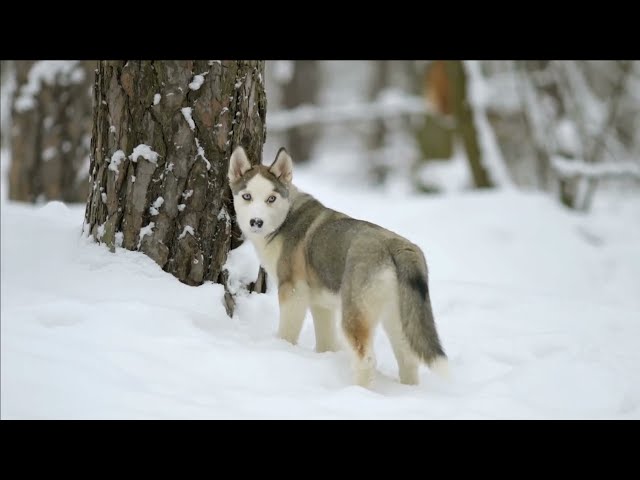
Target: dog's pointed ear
(282,166)
(238,164)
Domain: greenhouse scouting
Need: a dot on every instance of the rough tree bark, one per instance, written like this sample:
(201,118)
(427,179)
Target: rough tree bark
(302,89)
(162,136)
(51,130)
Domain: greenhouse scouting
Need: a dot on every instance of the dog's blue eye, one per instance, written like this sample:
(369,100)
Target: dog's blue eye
(247,196)
(271,199)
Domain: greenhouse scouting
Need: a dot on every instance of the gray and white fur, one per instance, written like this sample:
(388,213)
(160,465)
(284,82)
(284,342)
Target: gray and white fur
(332,264)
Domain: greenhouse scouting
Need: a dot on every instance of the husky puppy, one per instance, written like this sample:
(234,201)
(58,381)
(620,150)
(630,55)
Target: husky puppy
(334,264)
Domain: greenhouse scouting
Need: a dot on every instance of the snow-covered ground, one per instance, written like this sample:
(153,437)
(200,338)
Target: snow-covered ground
(538,309)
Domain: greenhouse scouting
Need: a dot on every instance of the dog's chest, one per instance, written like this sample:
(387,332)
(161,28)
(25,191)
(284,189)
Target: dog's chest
(269,254)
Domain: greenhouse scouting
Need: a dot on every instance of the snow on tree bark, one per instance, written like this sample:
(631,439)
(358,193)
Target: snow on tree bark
(162,136)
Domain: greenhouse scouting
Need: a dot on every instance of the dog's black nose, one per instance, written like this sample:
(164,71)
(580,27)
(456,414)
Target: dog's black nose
(256,222)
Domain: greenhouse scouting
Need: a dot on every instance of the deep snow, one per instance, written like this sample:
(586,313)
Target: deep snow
(538,309)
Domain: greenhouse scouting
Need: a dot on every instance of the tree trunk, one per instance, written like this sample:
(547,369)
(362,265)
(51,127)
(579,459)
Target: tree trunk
(51,131)
(434,138)
(377,140)
(465,123)
(302,89)
(7,83)
(162,136)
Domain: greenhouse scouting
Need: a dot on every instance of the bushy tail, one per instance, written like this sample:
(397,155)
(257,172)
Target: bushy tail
(416,315)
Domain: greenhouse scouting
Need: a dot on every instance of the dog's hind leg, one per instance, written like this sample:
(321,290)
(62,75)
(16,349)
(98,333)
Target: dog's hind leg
(365,295)
(359,331)
(408,363)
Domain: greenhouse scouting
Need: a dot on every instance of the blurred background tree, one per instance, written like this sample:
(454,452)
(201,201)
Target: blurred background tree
(51,112)
(567,128)
(561,127)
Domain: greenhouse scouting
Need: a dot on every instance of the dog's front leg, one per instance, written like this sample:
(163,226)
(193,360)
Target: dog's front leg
(325,327)
(293,301)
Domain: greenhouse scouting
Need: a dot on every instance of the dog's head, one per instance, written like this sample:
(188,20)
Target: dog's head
(260,193)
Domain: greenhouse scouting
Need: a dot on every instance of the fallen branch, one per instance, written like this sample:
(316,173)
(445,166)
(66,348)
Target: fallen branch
(389,106)
(565,168)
